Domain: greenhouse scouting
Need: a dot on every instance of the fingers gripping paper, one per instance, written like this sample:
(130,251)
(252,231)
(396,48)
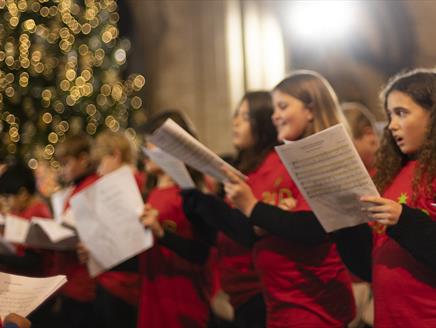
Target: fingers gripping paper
(331,176)
(171,138)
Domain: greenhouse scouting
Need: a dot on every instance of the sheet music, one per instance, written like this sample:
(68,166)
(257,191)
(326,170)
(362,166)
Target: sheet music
(94,267)
(53,230)
(172,166)
(16,229)
(107,219)
(22,295)
(175,141)
(38,232)
(331,176)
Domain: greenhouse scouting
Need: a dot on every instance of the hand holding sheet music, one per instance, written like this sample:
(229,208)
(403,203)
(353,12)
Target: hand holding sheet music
(107,220)
(331,176)
(175,141)
(22,295)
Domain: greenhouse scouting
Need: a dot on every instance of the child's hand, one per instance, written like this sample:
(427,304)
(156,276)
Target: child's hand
(385,211)
(288,204)
(82,253)
(149,219)
(16,320)
(239,192)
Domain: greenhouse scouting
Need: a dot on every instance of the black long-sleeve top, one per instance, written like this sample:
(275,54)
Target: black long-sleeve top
(218,215)
(415,232)
(300,227)
(194,251)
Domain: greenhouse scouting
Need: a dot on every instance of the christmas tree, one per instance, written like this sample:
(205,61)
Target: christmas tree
(60,72)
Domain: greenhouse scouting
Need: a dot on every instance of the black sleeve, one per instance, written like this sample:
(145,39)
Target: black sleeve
(204,231)
(354,245)
(194,251)
(216,213)
(302,227)
(28,261)
(416,232)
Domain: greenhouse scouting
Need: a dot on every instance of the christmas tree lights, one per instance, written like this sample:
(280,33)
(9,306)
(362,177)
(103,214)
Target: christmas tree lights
(60,72)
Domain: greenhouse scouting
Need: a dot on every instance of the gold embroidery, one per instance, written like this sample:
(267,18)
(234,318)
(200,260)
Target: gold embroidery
(284,194)
(269,197)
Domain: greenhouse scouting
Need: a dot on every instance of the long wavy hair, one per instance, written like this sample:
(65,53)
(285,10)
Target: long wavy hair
(420,85)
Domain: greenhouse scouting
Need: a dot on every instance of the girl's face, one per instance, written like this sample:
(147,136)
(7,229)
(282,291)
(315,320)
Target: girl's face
(241,128)
(109,163)
(408,122)
(290,116)
(73,167)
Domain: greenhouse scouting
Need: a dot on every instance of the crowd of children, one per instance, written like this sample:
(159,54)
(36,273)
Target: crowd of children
(255,255)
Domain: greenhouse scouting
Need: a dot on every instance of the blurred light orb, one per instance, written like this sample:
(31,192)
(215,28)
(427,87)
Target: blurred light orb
(120,56)
(322,20)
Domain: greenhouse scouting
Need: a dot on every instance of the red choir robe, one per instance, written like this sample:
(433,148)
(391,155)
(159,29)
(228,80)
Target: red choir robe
(404,288)
(174,292)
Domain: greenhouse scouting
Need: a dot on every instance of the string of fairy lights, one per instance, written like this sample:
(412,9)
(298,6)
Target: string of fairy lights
(60,72)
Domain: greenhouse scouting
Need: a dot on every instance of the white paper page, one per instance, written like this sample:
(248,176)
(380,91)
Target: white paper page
(16,229)
(22,295)
(172,166)
(107,218)
(175,141)
(331,176)
(53,230)
(58,202)
(94,267)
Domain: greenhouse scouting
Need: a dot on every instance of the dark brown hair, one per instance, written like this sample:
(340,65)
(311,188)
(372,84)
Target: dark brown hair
(154,122)
(420,86)
(260,110)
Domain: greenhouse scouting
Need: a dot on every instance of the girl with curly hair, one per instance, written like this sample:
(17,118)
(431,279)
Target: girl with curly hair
(399,254)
